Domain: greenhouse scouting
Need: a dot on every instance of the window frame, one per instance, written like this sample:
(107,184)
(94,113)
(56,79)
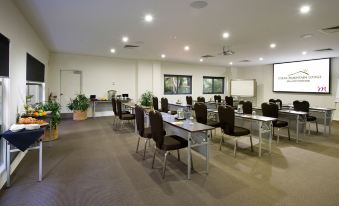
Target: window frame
(41,89)
(213,78)
(177,77)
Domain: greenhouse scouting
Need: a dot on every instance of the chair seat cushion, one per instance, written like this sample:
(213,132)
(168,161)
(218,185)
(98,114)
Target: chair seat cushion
(311,118)
(147,133)
(240,131)
(213,123)
(173,142)
(125,112)
(280,123)
(127,116)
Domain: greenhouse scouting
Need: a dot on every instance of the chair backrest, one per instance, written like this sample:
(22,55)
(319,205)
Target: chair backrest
(217,98)
(229,100)
(119,108)
(303,106)
(164,104)
(246,107)
(157,128)
(114,106)
(275,101)
(226,118)
(200,112)
(189,100)
(139,117)
(155,103)
(201,99)
(269,110)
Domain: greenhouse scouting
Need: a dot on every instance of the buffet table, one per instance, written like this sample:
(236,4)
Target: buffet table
(22,141)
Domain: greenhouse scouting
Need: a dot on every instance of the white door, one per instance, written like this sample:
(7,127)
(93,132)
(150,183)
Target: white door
(70,86)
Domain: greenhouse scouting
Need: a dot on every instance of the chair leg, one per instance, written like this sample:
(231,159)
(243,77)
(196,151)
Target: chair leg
(316,124)
(155,149)
(235,148)
(251,143)
(145,148)
(178,154)
(278,136)
(309,128)
(136,151)
(289,135)
(221,140)
(164,168)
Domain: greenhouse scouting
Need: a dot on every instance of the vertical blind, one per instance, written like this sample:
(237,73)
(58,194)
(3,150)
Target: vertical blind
(4,56)
(35,70)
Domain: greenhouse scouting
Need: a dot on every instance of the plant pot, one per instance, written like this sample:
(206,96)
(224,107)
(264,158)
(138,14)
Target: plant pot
(79,115)
(51,135)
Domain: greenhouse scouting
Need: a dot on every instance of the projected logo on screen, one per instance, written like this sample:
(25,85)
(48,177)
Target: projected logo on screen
(303,76)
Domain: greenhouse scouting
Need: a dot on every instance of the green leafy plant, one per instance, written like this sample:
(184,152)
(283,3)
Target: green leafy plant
(146,99)
(80,103)
(55,108)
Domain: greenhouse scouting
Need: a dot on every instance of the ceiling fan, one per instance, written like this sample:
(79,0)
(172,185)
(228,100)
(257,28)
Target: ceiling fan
(225,52)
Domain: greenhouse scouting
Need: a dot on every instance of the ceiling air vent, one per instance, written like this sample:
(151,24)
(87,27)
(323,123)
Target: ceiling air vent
(323,50)
(130,46)
(207,56)
(245,60)
(330,30)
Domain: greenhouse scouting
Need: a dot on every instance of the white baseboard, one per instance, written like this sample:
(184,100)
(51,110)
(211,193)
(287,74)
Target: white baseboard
(14,165)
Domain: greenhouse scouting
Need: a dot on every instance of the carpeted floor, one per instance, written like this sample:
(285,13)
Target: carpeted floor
(92,164)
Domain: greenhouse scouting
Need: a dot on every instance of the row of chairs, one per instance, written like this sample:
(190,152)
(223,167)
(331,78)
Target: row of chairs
(163,103)
(217,98)
(163,142)
(120,116)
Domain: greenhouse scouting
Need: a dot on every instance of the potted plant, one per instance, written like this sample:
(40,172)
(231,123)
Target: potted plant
(79,106)
(54,108)
(146,99)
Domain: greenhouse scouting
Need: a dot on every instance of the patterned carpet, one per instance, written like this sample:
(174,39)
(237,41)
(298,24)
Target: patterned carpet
(92,164)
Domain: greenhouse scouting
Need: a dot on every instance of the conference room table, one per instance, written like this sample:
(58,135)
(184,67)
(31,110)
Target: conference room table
(327,115)
(298,114)
(265,125)
(195,133)
(175,106)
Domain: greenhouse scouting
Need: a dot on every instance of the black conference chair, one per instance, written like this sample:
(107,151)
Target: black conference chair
(155,103)
(229,100)
(189,100)
(276,101)
(217,98)
(115,112)
(143,132)
(201,99)
(123,117)
(246,107)
(201,115)
(164,143)
(227,119)
(304,106)
(271,110)
(164,106)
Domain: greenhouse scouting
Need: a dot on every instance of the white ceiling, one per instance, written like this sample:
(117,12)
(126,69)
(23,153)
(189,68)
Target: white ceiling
(94,27)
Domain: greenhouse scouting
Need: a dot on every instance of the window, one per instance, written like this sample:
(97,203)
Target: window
(177,84)
(34,93)
(213,85)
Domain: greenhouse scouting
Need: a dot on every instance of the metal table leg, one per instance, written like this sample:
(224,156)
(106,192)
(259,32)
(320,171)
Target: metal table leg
(189,156)
(260,137)
(207,153)
(8,163)
(40,160)
(297,129)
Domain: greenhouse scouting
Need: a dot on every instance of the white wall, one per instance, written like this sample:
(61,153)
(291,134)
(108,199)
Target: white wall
(130,76)
(23,39)
(264,77)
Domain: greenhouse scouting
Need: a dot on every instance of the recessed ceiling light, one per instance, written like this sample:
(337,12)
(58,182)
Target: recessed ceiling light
(260,59)
(304,52)
(199,4)
(231,63)
(273,45)
(187,48)
(225,35)
(125,39)
(201,60)
(163,56)
(148,18)
(112,50)
(305,9)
